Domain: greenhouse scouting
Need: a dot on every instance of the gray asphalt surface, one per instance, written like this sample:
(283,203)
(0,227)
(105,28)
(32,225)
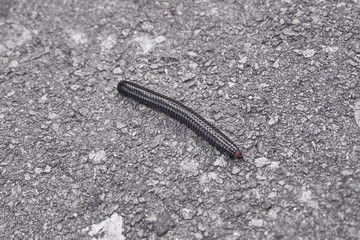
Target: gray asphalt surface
(79,161)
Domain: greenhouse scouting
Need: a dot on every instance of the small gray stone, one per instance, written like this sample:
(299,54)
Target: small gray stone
(193,65)
(243,60)
(295,21)
(117,71)
(55,127)
(154,66)
(84,111)
(79,73)
(261,162)
(256,223)
(192,54)
(10,94)
(188,77)
(201,227)
(52,116)
(247,46)
(97,157)
(163,224)
(102,66)
(346,172)
(273,213)
(301,107)
(220,162)
(273,120)
(198,235)
(272,195)
(47,169)
(298,51)
(75,87)
(328,49)
(276,63)
(218,116)
(208,63)
(187,213)
(140,233)
(348,36)
(27,176)
(212,175)
(231,84)
(120,125)
(13,64)
(352,63)
(160,39)
(159,170)
(240,209)
(235,170)
(308,53)
(215,108)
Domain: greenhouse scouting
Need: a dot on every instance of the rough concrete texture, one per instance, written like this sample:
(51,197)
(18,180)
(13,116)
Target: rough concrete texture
(280,78)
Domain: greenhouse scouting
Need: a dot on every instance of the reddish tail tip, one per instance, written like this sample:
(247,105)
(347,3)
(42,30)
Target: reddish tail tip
(238,155)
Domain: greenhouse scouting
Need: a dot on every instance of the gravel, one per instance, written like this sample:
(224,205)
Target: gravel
(79,161)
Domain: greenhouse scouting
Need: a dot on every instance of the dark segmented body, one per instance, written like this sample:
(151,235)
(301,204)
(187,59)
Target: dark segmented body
(181,113)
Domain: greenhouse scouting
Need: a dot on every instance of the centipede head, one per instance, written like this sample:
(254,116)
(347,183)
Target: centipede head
(120,85)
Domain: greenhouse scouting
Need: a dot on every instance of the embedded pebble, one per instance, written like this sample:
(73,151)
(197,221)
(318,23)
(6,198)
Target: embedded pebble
(240,209)
(346,172)
(47,169)
(261,162)
(201,227)
(273,120)
(212,175)
(231,84)
(117,71)
(235,170)
(163,224)
(13,64)
(109,42)
(276,63)
(295,21)
(220,162)
(330,49)
(308,53)
(187,213)
(159,170)
(243,60)
(192,54)
(188,77)
(27,176)
(75,87)
(120,125)
(352,63)
(256,223)
(110,228)
(97,157)
(52,116)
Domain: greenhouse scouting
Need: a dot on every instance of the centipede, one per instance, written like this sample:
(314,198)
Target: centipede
(181,113)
